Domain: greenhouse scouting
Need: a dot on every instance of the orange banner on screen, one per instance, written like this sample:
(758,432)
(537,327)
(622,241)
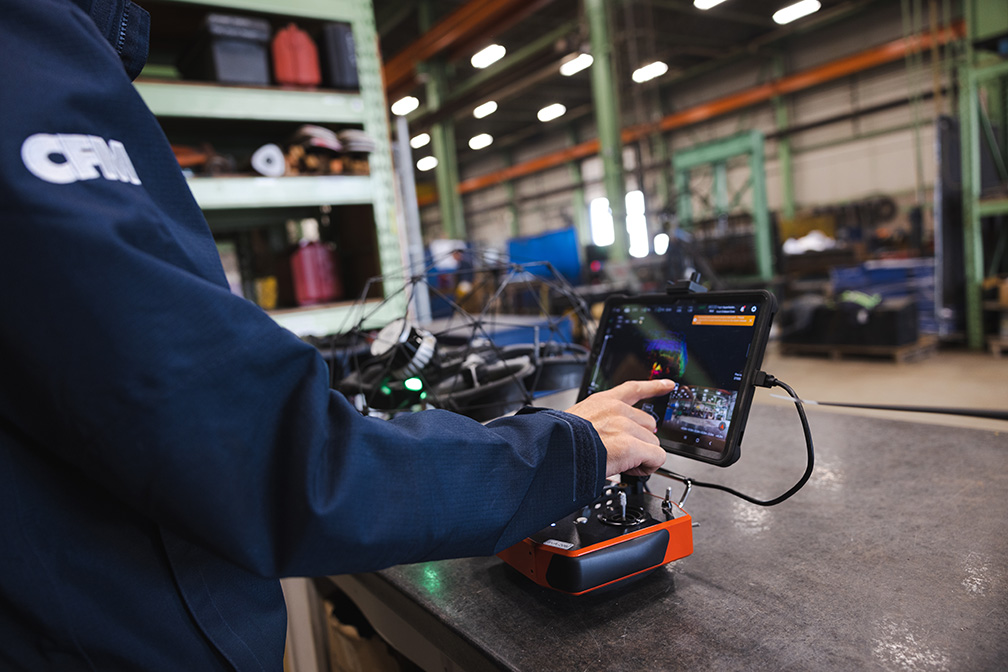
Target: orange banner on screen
(724,320)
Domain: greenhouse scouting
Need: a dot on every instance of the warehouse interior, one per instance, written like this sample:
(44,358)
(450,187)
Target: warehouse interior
(467,171)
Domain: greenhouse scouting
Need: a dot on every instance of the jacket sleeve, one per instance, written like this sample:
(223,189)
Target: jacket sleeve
(125,355)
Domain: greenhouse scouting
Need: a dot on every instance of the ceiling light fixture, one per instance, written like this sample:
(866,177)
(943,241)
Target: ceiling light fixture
(796,11)
(418,141)
(404,106)
(646,73)
(427,163)
(480,141)
(486,109)
(487,56)
(706,4)
(551,112)
(576,64)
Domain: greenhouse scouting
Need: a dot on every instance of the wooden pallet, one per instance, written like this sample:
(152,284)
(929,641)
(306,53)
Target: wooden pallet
(924,347)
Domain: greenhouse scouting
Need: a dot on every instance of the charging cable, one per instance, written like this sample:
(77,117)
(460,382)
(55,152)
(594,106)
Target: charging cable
(763,379)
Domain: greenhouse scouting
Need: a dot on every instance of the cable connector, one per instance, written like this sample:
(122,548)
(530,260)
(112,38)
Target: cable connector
(764,379)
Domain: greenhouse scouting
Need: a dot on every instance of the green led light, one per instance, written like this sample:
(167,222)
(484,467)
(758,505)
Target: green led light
(413,384)
(385,389)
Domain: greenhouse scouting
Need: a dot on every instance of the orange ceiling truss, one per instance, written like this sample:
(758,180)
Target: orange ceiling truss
(841,67)
(467,26)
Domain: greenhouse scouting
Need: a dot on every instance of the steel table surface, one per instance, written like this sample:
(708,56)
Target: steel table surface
(893,556)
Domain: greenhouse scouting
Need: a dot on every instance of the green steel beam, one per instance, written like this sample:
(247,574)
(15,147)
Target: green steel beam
(607,117)
(716,154)
(718,150)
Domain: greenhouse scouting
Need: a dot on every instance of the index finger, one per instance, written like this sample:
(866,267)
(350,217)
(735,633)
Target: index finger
(633,391)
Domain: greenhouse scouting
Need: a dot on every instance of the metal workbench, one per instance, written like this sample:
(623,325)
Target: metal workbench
(894,556)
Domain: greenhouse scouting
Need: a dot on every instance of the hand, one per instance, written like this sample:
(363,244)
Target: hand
(628,433)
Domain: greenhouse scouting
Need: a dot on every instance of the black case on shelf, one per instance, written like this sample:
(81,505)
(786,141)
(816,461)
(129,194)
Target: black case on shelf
(229,49)
(338,56)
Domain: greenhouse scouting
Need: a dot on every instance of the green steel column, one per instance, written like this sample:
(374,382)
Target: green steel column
(784,150)
(579,209)
(372,93)
(660,156)
(443,142)
(720,187)
(685,209)
(760,211)
(969,133)
(969,142)
(607,117)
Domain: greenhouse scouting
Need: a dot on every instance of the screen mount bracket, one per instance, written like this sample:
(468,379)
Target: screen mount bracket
(689,286)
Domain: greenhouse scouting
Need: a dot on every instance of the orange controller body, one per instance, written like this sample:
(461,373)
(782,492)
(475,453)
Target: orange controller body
(622,535)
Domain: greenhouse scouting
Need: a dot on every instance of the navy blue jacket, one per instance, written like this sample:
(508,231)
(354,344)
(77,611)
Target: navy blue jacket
(167,450)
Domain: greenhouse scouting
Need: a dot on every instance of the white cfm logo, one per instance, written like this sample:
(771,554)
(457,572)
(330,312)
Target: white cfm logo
(68,157)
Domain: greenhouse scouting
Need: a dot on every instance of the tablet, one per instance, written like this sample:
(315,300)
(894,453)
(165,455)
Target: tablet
(710,343)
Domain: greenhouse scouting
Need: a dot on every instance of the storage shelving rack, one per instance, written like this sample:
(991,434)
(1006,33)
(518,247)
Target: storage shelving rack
(366,108)
(982,75)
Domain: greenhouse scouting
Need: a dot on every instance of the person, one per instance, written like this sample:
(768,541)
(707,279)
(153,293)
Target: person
(166,450)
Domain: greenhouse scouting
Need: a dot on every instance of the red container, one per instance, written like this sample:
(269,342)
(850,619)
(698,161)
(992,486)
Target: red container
(315,273)
(295,58)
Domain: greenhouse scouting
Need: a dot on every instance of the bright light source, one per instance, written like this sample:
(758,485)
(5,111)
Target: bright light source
(486,109)
(706,4)
(427,163)
(600,217)
(413,384)
(576,64)
(796,11)
(636,226)
(635,202)
(648,72)
(480,141)
(418,141)
(551,112)
(404,106)
(488,56)
(661,243)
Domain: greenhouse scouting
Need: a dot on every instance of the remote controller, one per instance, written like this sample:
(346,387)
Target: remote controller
(623,534)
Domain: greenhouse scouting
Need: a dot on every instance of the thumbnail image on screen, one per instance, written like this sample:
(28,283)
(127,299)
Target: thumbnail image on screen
(703,347)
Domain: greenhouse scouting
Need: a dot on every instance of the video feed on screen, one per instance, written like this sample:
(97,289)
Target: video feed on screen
(703,347)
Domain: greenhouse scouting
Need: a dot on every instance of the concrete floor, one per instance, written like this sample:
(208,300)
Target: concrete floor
(951,377)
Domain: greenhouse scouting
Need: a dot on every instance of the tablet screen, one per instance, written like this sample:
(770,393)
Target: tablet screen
(710,344)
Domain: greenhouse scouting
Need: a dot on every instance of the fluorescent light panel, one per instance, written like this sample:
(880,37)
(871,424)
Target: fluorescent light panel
(480,141)
(706,4)
(418,141)
(796,11)
(646,73)
(551,112)
(576,64)
(427,163)
(661,243)
(404,106)
(487,56)
(486,109)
